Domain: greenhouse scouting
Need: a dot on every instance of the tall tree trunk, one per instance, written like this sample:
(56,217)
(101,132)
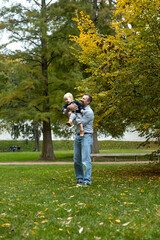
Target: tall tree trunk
(110,2)
(95,7)
(36,136)
(95,148)
(47,147)
(36,141)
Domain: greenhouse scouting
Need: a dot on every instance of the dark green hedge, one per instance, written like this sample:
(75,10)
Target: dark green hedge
(65,145)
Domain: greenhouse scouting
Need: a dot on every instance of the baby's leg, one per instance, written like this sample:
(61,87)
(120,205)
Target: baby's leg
(81,126)
(79,122)
(71,118)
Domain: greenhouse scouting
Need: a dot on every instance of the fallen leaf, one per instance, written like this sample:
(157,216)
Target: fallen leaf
(80,230)
(97,238)
(44,221)
(138,235)
(69,210)
(117,221)
(5,225)
(3,214)
(101,223)
(81,204)
(99,213)
(125,224)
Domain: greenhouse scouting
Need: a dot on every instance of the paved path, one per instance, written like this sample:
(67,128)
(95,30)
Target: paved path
(71,163)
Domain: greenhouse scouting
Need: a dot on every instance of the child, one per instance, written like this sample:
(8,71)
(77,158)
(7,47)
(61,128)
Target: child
(68,98)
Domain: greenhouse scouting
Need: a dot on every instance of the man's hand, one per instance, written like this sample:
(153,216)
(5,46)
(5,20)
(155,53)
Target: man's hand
(72,107)
(82,111)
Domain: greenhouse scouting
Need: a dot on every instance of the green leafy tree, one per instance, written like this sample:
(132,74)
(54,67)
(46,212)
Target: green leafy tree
(138,85)
(101,14)
(103,63)
(27,130)
(27,90)
(124,69)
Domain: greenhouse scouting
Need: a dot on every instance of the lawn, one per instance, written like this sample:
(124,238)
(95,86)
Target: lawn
(42,202)
(33,156)
(64,155)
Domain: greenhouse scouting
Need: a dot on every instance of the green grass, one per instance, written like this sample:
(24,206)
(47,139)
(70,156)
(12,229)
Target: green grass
(67,145)
(18,156)
(61,155)
(33,156)
(42,202)
(64,150)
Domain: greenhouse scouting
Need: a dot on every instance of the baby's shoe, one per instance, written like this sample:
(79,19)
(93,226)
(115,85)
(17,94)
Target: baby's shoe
(69,123)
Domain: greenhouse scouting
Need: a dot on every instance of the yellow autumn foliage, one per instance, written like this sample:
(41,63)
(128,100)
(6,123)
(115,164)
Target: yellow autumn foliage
(122,70)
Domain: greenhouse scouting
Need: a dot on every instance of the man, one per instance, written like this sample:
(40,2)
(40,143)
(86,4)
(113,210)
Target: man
(83,144)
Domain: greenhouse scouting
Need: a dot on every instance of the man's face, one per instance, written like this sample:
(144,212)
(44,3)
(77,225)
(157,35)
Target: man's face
(85,100)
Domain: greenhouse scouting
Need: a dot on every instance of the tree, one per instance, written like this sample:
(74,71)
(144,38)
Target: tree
(102,59)
(124,70)
(100,13)
(102,21)
(138,88)
(45,59)
(29,130)
(38,75)
(28,89)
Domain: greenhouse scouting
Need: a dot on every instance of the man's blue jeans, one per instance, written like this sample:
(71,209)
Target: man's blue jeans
(82,151)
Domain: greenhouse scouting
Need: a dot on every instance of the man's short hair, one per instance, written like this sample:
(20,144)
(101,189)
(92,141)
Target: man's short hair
(89,97)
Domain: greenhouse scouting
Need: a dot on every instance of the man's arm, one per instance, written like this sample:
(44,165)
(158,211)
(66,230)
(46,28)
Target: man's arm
(72,107)
(79,105)
(87,117)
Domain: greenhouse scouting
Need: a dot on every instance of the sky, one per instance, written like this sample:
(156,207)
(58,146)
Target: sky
(4,36)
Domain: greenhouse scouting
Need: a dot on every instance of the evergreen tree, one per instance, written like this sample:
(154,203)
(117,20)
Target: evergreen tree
(28,130)
(27,90)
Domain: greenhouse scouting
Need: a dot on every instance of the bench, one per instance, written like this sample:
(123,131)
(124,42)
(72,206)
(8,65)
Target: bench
(115,155)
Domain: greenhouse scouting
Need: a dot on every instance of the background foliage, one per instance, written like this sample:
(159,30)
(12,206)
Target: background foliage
(123,70)
(67,145)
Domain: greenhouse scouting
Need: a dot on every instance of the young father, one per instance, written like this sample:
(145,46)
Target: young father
(83,145)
